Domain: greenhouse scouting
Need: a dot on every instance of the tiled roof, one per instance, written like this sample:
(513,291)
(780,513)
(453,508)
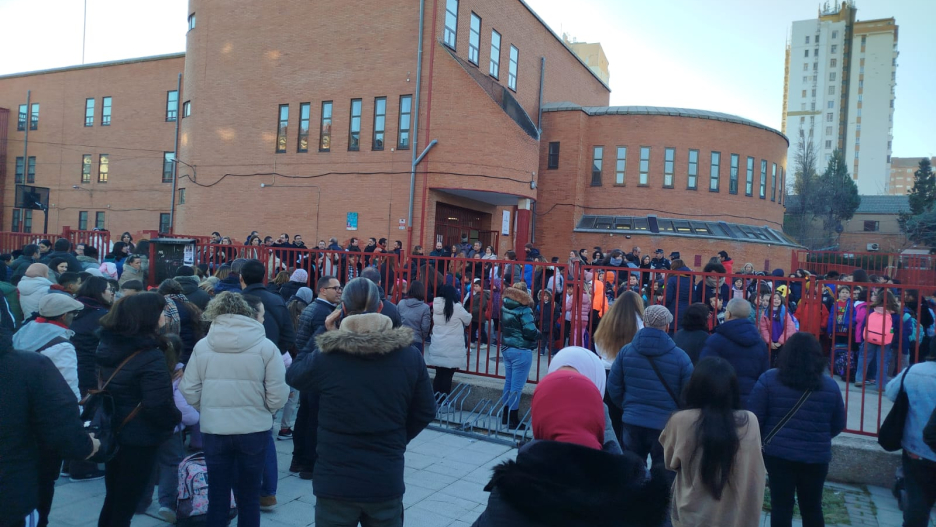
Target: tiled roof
(870,204)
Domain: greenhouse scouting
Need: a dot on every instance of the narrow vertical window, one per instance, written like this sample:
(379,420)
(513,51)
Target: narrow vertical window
(82,220)
(620,166)
(325,132)
(669,160)
(773,182)
(354,129)
(20,171)
(474,39)
(34,117)
(714,171)
(644,166)
(763,179)
(304,115)
(27,220)
(282,128)
(164,222)
(495,54)
(89,112)
(597,158)
(449,35)
(172,105)
(31,169)
(733,174)
(103,168)
(406,114)
(552,160)
(86,168)
(512,68)
(99,220)
(181,196)
(191,21)
(168,159)
(186,109)
(106,111)
(380,122)
(15,225)
(692,181)
(749,179)
(21,123)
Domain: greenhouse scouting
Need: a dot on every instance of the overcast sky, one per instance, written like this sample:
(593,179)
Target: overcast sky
(720,55)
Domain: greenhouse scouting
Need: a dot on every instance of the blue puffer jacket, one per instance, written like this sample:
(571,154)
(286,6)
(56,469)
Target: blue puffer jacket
(807,437)
(739,342)
(678,295)
(635,387)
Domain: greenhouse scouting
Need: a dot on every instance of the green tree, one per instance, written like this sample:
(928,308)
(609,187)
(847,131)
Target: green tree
(923,193)
(835,197)
(921,228)
(798,218)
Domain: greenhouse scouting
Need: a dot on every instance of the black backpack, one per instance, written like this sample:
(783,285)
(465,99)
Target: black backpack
(99,416)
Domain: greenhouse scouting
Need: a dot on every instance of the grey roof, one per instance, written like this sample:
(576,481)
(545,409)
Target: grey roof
(658,110)
(870,204)
(95,65)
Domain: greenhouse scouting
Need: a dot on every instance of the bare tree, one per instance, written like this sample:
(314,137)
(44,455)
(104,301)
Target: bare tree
(806,159)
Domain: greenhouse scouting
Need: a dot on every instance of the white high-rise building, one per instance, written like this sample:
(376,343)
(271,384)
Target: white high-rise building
(839,93)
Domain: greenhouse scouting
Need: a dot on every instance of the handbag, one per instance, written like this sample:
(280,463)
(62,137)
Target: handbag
(786,419)
(659,375)
(891,433)
(98,414)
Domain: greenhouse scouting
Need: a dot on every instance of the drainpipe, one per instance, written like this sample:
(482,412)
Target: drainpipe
(175,164)
(539,118)
(414,134)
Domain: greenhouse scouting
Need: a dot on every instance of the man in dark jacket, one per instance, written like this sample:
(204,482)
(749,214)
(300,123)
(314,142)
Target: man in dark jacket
(22,262)
(739,342)
(189,282)
(371,370)
(37,409)
(276,320)
(678,292)
(62,249)
(389,309)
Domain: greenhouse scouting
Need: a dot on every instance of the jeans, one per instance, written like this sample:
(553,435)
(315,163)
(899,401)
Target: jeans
(442,382)
(305,432)
(166,473)
(481,328)
(642,442)
(517,363)
(288,412)
(125,478)
(337,513)
(920,482)
(225,456)
(805,481)
(270,476)
(872,363)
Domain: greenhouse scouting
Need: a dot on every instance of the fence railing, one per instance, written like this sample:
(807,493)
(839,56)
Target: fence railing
(908,269)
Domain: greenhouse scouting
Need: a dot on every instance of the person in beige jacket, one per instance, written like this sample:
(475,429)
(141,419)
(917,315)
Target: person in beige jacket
(236,379)
(715,449)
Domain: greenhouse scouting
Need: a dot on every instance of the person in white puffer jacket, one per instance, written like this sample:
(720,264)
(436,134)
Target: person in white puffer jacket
(49,335)
(32,287)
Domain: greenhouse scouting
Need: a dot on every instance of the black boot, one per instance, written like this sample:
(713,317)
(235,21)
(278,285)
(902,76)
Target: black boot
(514,421)
(504,417)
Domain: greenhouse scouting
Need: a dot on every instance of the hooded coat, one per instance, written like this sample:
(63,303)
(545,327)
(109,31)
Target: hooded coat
(447,349)
(416,315)
(34,335)
(678,294)
(518,325)
(235,378)
(32,289)
(556,484)
(276,320)
(192,292)
(369,370)
(738,342)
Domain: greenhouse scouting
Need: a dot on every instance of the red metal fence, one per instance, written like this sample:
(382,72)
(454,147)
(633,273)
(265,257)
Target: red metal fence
(909,269)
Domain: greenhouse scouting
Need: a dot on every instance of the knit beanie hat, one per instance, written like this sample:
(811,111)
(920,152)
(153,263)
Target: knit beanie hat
(568,408)
(657,316)
(305,294)
(299,275)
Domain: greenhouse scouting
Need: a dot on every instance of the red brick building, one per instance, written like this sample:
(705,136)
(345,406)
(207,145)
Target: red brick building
(297,117)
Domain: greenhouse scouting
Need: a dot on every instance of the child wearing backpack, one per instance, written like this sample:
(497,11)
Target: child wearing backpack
(914,331)
(877,334)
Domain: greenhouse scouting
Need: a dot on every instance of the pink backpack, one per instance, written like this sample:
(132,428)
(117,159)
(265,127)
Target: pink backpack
(193,491)
(879,328)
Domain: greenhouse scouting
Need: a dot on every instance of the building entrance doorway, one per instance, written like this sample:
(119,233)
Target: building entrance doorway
(453,222)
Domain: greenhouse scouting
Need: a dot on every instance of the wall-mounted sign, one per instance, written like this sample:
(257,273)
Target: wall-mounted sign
(505,224)
(352,222)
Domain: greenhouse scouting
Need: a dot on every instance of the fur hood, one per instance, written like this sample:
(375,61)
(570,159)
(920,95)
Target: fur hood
(367,334)
(521,297)
(562,484)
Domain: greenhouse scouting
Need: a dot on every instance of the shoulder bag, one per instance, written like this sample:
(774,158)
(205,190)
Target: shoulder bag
(659,375)
(786,419)
(891,433)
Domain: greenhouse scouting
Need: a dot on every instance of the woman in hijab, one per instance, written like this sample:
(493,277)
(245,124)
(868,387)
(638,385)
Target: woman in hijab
(583,361)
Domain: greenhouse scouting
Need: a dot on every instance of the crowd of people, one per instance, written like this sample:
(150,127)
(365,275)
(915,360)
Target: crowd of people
(346,351)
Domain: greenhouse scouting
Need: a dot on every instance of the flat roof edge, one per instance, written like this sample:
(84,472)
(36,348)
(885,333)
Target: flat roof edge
(94,65)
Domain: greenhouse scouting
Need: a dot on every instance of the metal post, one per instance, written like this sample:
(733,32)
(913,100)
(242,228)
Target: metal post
(175,157)
(26,146)
(414,134)
(84,30)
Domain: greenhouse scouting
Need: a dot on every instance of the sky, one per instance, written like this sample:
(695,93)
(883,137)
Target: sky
(719,55)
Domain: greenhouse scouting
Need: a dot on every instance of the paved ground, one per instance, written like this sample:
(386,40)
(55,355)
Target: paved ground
(444,475)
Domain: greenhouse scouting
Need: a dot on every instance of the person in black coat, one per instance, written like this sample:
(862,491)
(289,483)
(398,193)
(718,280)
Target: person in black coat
(62,249)
(37,411)
(368,369)
(389,309)
(189,282)
(693,331)
(143,399)
(276,319)
(22,262)
(738,341)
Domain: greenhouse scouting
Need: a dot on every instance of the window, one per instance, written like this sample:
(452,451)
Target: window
(815,66)
(834,50)
(763,179)
(813,92)
(181,196)
(713,172)
(164,222)
(872,226)
(828,144)
(552,159)
(812,106)
(828,117)
(831,90)
(494,70)
(27,220)
(807,40)
(773,182)
(644,176)
(669,159)
(451,23)
(282,128)
(892,103)
(859,113)
(31,169)
(20,170)
(172,105)
(828,130)
(304,115)
(804,94)
(99,220)
(834,63)
(380,118)
(831,104)
(354,130)
(83,220)
(325,132)
(857,140)
(15,226)
(749,180)
(620,166)
(406,113)
(693,169)
(512,68)
(191,21)
(103,168)
(474,39)
(168,158)
(34,120)
(89,112)
(805,67)
(86,168)
(106,111)
(186,109)
(834,35)
(597,157)
(21,123)
(733,175)
(806,54)
(856,155)
(832,76)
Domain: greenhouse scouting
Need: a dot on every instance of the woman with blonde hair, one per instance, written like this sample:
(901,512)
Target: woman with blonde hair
(616,330)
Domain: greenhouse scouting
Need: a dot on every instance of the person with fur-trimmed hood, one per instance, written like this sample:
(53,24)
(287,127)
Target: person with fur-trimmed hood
(563,478)
(363,367)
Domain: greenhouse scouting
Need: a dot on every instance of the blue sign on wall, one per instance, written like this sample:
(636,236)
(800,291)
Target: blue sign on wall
(352,221)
